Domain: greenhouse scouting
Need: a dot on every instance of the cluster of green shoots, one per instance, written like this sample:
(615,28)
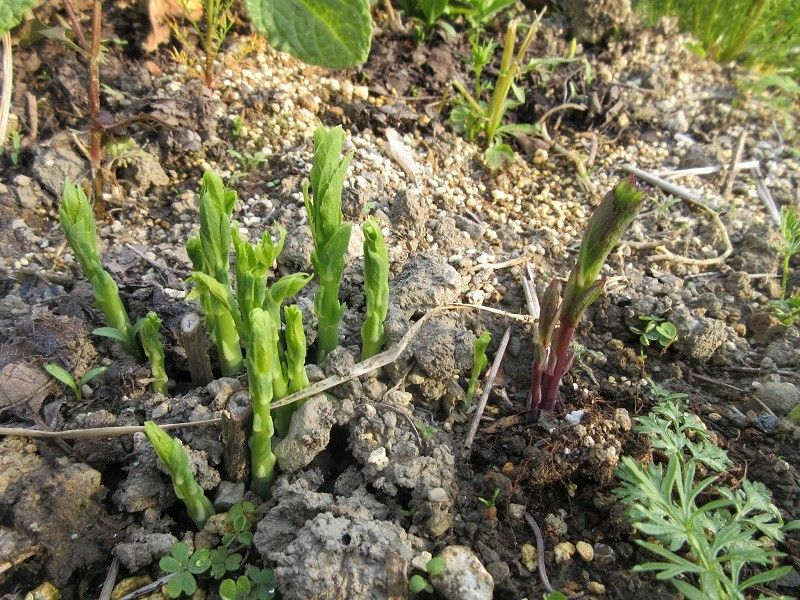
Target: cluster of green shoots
(249,325)
(80,229)
(707,535)
(212,29)
(558,315)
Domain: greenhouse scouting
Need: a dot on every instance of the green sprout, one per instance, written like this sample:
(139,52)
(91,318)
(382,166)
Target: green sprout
(184,566)
(262,361)
(559,317)
(787,311)
(656,329)
(249,161)
(474,116)
(16,147)
(492,501)
(376,288)
(331,237)
(210,254)
(217,22)
(790,232)
(173,456)
(255,584)
(434,568)
(148,327)
(78,224)
(479,363)
(75,385)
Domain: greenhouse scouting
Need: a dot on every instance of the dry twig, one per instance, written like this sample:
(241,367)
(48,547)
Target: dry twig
(727,186)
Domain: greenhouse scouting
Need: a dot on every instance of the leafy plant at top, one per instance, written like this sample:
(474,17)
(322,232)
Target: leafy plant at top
(790,234)
(212,31)
(11,14)
(475,117)
(64,377)
(78,224)
(787,311)
(184,567)
(656,329)
(328,33)
(255,584)
(173,456)
(428,10)
(331,237)
(559,317)
(479,363)
(709,544)
(434,568)
(376,289)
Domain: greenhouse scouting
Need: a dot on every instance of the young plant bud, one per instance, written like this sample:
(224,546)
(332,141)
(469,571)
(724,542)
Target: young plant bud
(210,254)
(154,350)
(295,365)
(479,363)
(173,456)
(331,237)
(376,288)
(552,354)
(77,222)
(262,361)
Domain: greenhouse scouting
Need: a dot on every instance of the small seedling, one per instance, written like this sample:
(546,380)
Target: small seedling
(479,13)
(173,456)
(376,289)
(255,584)
(656,329)
(787,311)
(490,502)
(559,317)
(475,117)
(76,386)
(479,363)
(217,19)
(184,566)
(790,234)
(659,392)
(330,235)
(16,147)
(434,568)
(249,161)
(425,430)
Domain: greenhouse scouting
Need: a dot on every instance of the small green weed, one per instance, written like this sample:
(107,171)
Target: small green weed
(64,377)
(418,583)
(656,329)
(490,502)
(790,243)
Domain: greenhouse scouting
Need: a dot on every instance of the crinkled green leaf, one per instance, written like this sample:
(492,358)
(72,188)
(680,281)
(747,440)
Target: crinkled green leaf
(329,33)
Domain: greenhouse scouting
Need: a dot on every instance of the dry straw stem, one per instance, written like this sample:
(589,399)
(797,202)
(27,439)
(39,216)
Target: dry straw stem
(367,366)
(694,199)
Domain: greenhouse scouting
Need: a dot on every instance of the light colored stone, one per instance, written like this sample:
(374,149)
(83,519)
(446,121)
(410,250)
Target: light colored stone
(595,588)
(585,551)
(464,577)
(564,551)
(529,557)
